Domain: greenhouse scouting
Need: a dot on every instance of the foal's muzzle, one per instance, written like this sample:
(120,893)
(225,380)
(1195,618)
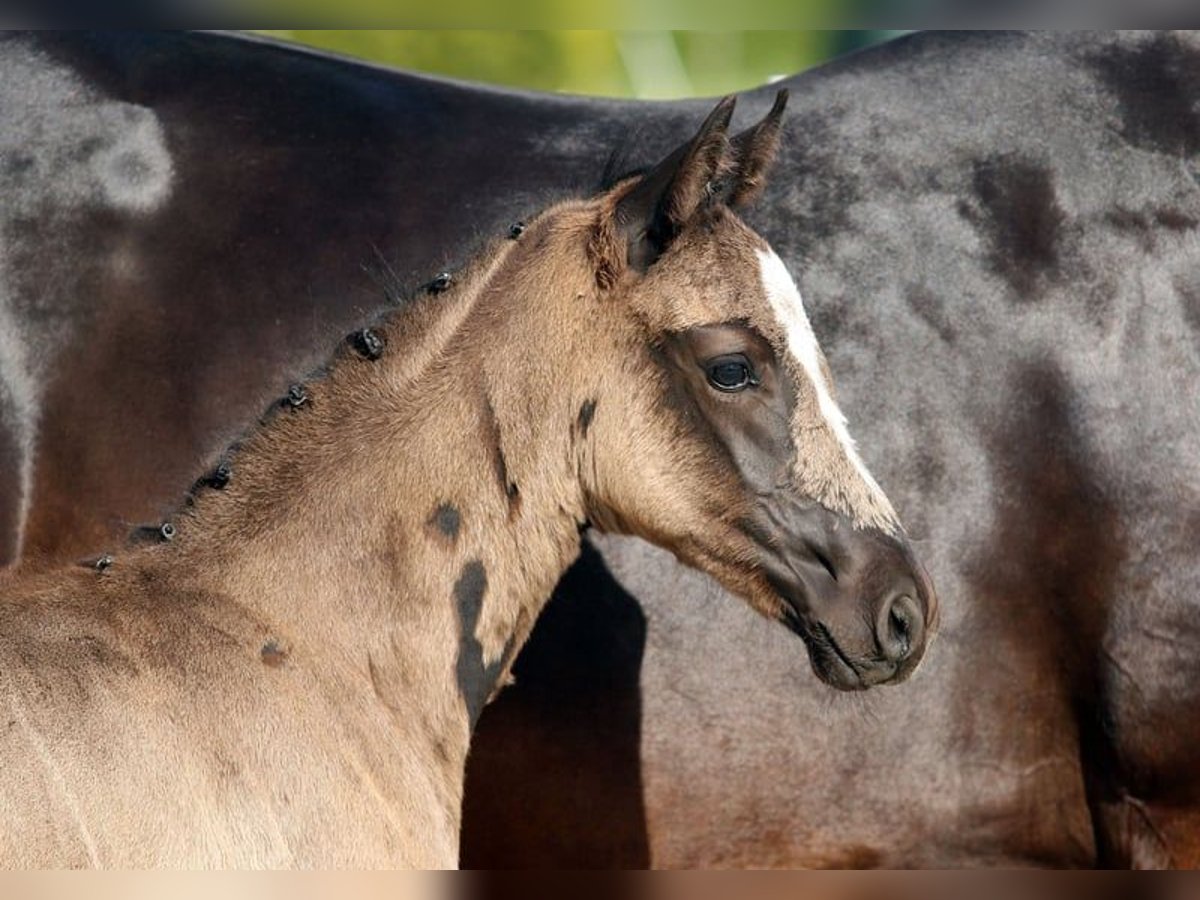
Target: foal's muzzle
(858,597)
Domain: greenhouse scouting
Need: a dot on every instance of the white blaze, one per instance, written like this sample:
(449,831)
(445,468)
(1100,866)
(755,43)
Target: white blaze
(784,297)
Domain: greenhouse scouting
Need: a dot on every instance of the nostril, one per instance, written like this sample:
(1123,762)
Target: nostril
(898,623)
(898,629)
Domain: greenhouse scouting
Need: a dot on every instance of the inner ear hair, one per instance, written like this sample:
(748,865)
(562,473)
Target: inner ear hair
(707,163)
(640,218)
(606,250)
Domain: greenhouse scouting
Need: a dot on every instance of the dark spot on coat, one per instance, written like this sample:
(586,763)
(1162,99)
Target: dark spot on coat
(1189,304)
(446,520)
(586,413)
(475,680)
(1022,221)
(491,427)
(1174,219)
(500,467)
(441,749)
(1145,224)
(930,309)
(18,165)
(273,655)
(512,492)
(1155,84)
(1127,219)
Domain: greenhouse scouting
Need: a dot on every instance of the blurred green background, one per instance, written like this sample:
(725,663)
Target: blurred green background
(648,64)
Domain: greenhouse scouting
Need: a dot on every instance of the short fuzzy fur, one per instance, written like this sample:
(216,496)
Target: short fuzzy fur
(292,680)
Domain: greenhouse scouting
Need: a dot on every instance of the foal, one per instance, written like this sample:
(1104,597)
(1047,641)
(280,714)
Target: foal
(290,676)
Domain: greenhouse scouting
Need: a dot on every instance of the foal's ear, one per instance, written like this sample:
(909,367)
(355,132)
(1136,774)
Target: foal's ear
(753,153)
(654,211)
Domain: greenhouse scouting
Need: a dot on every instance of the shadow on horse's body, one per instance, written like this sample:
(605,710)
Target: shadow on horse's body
(996,237)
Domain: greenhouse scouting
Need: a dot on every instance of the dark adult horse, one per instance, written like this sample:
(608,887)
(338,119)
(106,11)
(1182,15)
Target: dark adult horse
(997,238)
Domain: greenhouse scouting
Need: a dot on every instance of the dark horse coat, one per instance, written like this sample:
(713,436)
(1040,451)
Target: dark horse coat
(996,236)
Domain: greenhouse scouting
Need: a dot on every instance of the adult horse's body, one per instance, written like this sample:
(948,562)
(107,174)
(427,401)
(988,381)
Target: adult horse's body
(997,238)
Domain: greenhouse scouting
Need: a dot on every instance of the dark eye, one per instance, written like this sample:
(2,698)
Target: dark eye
(730,373)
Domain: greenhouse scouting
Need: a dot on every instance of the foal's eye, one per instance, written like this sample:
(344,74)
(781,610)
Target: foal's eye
(730,373)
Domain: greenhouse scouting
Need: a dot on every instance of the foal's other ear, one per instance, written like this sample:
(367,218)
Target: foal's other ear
(650,216)
(753,153)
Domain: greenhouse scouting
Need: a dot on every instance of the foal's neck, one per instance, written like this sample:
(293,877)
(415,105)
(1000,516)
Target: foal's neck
(409,515)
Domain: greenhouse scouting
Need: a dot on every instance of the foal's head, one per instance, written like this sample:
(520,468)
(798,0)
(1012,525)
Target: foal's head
(717,435)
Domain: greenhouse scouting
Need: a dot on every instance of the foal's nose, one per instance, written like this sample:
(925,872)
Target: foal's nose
(900,627)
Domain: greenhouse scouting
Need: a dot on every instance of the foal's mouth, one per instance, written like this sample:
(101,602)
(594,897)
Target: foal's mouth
(828,660)
(833,665)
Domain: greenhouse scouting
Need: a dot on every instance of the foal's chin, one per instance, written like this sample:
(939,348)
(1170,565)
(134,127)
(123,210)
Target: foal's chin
(829,661)
(832,664)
